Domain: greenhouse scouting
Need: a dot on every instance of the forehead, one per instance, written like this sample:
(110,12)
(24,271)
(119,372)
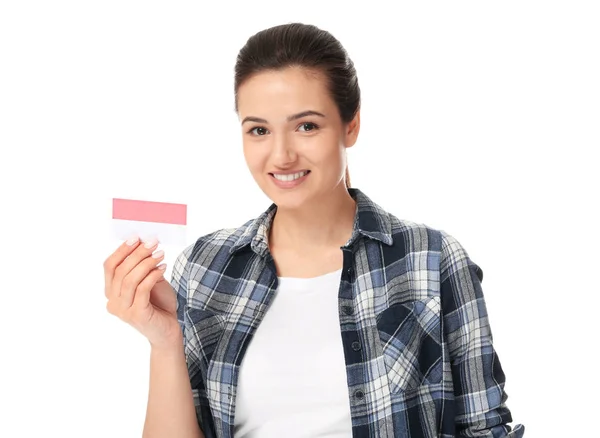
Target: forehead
(284,92)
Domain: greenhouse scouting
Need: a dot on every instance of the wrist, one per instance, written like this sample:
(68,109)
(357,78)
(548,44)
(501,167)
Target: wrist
(173,348)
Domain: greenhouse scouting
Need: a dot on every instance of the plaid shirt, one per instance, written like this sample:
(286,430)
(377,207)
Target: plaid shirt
(416,338)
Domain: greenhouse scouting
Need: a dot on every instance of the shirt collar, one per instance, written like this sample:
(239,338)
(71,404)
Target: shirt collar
(370,220)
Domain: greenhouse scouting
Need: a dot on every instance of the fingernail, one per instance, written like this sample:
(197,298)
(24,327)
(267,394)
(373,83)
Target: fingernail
(150,243)
(158,254)
(132,240)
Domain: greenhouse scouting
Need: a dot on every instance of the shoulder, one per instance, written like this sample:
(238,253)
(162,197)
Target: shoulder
(208,247)
(416,236)
(421,238)
(406,236)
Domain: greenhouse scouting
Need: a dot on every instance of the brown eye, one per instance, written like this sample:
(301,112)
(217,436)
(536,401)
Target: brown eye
(308,127)
(258,131)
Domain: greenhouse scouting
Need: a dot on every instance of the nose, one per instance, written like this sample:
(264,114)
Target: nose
(283,151)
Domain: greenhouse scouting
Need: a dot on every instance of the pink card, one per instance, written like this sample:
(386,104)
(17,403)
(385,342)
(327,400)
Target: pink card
(165,221)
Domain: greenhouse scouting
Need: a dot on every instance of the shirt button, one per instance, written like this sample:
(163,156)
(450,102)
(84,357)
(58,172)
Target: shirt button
(359,394)
(349,270)
(356,345)
(348,310)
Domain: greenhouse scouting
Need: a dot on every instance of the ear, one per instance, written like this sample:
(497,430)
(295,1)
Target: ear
(352,130)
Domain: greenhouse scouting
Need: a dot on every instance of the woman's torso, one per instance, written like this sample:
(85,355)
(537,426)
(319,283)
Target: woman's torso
(389,313)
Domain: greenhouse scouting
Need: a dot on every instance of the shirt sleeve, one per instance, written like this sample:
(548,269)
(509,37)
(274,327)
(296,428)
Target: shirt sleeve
(478,377)
(179,282)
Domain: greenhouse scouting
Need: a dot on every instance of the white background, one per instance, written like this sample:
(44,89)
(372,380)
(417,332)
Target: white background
(478,118)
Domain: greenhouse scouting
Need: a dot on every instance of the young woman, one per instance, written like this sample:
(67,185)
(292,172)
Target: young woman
(326,315)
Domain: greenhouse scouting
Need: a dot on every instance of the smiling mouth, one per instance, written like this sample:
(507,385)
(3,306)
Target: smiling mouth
(290,177)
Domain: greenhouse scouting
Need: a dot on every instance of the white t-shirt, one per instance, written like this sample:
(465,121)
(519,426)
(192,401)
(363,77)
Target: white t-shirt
(292,379)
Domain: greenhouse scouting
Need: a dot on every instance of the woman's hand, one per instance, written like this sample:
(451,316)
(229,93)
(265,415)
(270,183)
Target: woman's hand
(138,293)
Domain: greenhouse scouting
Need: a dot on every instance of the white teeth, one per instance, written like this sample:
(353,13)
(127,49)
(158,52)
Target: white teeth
(290,177)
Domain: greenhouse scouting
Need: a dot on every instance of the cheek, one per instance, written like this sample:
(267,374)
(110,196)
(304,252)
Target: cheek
(332,152)
(326,146)
(254,155)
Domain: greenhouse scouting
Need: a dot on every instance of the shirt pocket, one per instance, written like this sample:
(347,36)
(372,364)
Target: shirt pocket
(410,334)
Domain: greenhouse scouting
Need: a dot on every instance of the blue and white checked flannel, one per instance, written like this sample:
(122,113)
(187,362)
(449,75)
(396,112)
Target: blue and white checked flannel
(409,295)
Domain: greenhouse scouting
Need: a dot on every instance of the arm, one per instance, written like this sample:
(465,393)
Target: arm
(476,371)
(171,411)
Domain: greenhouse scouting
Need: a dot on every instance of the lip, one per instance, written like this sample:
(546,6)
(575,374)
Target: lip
(288,184)
(290,172)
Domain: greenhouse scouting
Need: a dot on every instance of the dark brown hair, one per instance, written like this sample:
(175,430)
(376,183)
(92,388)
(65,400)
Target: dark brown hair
(302,45)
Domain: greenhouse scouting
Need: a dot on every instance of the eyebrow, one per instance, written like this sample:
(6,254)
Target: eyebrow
(289,119)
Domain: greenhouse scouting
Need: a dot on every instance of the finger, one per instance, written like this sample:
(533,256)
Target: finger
(142,295)
(141,253)
(115,259)
(132,282)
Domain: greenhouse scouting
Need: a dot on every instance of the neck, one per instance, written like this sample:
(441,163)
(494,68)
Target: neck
(322,223)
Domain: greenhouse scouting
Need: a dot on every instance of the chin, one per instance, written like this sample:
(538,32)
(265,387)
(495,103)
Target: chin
(292,198)
(289,201)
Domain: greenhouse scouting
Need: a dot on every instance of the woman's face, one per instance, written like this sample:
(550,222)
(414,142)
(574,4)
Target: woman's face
(290,124)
